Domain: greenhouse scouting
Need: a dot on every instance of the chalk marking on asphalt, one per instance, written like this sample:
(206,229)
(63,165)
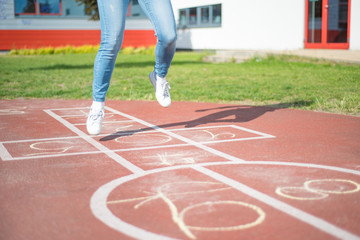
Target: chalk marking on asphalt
(40,139)
(12,111)
(321,193)
(279,205)
(83,114)
(225,126)
(171,159)
(99,151)
(56,150)
(283,191)
(214,136)
(155,196)
(356,189)
(115,150)
(303,216)
(144,140)
(128,165)
(4,154)
(254,223)
(291,164)
(174,135)
(105,122)
(55,155)
(147,132)
(98,205)
(178,216)
(72,108)
(98,202)
(253,131)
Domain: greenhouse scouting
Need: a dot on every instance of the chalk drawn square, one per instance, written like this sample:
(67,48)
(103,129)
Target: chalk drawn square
(66,112)
(79,116)
(169,156)
(112,129)
(47,148)
(128,140)
(220,134)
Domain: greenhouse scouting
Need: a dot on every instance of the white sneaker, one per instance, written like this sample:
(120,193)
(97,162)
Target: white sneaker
(162,88)
(94,121)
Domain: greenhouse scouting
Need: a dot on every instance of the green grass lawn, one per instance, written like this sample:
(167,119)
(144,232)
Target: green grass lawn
(275,80)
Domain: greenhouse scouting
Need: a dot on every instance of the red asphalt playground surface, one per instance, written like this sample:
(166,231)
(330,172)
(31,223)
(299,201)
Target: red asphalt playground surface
(192,171)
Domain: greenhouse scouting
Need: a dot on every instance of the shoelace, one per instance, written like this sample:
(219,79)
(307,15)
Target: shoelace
(166,88)
(97,115)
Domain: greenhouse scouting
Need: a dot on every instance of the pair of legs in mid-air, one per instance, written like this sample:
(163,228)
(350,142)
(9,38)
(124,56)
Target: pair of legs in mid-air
(112,19)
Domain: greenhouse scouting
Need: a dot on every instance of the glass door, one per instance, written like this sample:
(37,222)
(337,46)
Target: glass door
(327,24)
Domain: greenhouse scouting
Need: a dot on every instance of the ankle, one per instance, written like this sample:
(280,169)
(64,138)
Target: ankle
(98,105)
(158,78)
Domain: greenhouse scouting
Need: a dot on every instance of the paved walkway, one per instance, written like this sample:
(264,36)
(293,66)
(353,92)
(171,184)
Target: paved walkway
(348,56)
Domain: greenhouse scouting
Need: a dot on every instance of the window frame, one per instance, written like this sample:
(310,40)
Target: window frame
(199,23)
(27,14)
(37,12)
(51,14)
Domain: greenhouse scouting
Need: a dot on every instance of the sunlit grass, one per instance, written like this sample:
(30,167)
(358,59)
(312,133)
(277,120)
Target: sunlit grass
(274,80)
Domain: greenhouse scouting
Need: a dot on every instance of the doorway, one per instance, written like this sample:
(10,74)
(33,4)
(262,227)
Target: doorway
(327,24)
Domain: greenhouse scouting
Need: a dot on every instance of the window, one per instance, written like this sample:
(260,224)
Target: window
(134,10)
(25,7)
(49,8)
(202,16)
(183,17)
(41,7)
(192,16)
(205,15)
(216,14)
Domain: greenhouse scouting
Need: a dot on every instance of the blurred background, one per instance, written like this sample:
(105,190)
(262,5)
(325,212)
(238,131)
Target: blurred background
(206,24)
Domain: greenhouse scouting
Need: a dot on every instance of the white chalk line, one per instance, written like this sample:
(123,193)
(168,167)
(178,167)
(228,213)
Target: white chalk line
(262,135)
(178,216)
(128,165)
(98,202)
(12,111)
(4,154)
(174,135)
(105,122)
(225,126)
(110,150)
(318,192)
(308,220)
(279,205)
(41,139)
(72,108)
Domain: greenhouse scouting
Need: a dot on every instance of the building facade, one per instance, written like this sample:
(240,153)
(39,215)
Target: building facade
(43,23)
(264,24)
(205,24)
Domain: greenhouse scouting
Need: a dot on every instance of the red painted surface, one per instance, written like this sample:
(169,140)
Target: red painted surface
(323,32)
(48,188)
(16,39)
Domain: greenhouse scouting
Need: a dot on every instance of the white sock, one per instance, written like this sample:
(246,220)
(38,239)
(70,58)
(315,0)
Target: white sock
(97,105)
(162,79)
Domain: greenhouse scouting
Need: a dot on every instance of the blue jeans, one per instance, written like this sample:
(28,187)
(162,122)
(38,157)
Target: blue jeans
(112,20)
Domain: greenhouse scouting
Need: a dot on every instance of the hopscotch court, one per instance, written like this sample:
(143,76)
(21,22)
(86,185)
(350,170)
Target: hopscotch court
(179,182)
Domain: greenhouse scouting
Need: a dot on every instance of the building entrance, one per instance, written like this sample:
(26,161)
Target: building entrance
(327,24)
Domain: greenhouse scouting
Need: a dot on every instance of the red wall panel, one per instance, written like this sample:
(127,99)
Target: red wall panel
(16,39)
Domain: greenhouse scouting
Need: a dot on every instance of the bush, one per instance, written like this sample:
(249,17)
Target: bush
(82,49)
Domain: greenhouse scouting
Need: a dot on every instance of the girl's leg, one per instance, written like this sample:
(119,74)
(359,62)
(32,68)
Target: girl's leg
(112,20)
(161,15)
